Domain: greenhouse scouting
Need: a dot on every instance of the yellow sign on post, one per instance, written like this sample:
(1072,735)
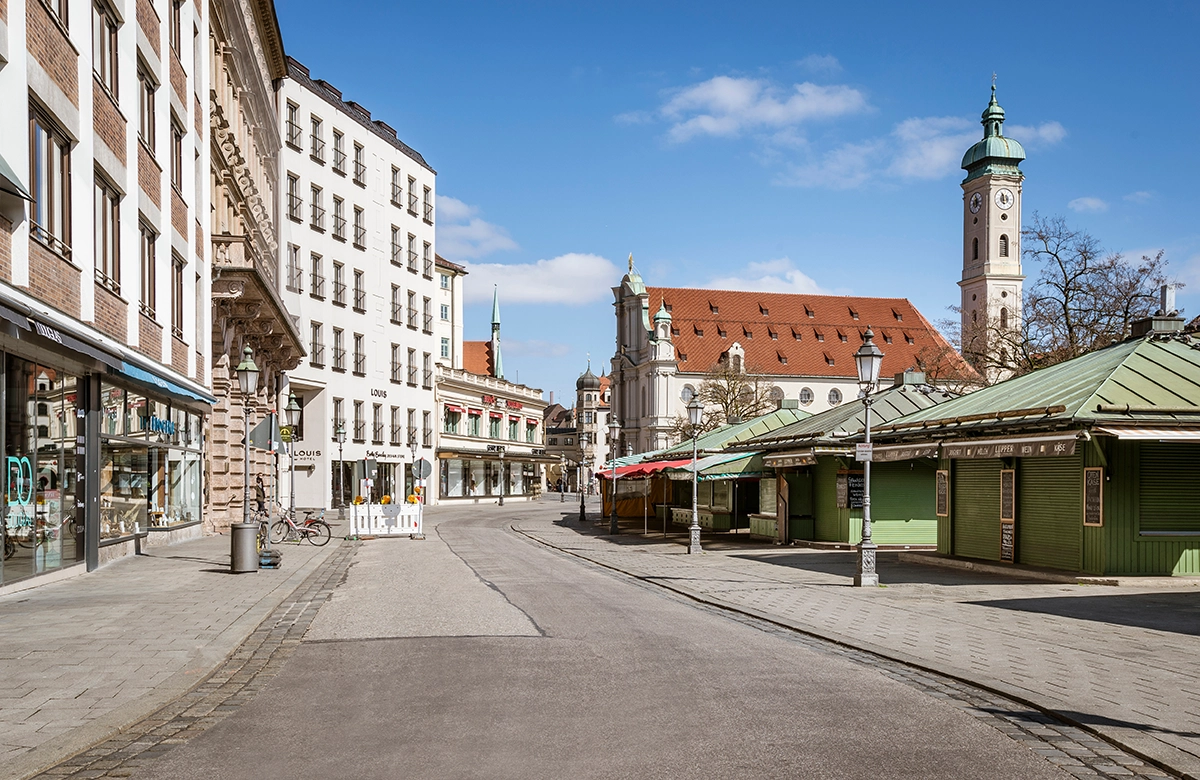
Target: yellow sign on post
(285,433)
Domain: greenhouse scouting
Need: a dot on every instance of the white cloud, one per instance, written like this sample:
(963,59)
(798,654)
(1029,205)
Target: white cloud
(843,168)
(1141,196)
(930,147)
(779,275)
(569,279)
(821,63)
(462,235)
(1045,134)
(1087,205)
(726,107)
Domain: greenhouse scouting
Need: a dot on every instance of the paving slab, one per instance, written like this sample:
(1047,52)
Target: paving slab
(1116,659)
(86,656)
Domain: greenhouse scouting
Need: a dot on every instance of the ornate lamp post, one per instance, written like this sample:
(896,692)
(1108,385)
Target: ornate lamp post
(695,413)
(502,477)
(869,360)
(291,413)
(247,374)
(579,479)
(562,479)
(339,433)
(614,430)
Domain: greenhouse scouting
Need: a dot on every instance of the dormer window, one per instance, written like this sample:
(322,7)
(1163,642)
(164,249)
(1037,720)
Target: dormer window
(721,332)
(899,317)
(841,336)
(828,359)
(763,310)
(714,308)
(809,311)
(774,336)
(683,356)
(887,339)
(820,336)
(853,313)
(795,334)
(666,306)
(698,330)
(674,331)
(909,339)
(748,334)
(782,358)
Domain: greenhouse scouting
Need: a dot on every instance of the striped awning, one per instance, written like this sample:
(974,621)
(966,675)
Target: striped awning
(455,409)
(1151,434)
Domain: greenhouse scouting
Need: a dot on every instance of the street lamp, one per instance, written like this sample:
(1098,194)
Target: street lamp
(614,430)
(869,360)
(247,374)
(291,413)
(502,477)
(695,413)
(579,480)
(339,433)
(562,479)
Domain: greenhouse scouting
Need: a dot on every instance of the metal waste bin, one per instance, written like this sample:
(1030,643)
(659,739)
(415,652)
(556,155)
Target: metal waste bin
(243,553)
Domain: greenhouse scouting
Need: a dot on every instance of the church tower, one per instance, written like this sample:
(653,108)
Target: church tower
(992,280)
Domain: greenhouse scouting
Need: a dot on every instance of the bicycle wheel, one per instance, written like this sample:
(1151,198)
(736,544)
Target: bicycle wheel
(318,533)
(279,531)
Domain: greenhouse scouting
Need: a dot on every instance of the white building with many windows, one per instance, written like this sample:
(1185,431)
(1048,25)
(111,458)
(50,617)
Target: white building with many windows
(359,274)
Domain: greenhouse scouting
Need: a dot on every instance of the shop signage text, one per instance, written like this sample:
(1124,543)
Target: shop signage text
(20,481)
(501,402)
(157,425)
(307,454)
(379,393)
(47,332)
(495,448)
(384,455)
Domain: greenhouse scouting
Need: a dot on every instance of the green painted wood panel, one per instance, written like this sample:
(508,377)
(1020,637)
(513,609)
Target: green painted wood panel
(1170,491)
(830,523)
(975,502)
(944,527)
(902,502)
(915,531)
(1095,539)
(1050,512)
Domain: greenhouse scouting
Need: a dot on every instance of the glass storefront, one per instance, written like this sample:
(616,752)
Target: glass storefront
(482,478)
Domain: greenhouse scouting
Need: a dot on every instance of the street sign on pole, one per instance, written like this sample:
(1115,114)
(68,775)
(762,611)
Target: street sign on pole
(285,433)
(423,468)
(862,452)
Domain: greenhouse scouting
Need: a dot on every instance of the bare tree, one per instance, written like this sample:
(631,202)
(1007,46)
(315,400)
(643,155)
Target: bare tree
(729,394)
(1082,298)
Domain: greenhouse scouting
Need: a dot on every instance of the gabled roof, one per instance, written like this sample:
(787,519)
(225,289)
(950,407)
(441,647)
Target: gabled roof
(787,334)
(735,433)
(1152,380)
(848,419)
(442,262)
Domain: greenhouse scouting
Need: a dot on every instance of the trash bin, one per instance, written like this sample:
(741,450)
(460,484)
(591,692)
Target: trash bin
(243,553)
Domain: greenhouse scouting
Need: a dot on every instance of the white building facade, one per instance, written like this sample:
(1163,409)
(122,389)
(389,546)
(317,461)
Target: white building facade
(358,273)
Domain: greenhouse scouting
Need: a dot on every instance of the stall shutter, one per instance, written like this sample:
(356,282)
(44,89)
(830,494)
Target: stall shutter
(901,490)
(1050,512)
(976,513)
(1170,490)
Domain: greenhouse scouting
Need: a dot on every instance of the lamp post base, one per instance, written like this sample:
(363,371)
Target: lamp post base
(694,543)
(866,576)
(612,524)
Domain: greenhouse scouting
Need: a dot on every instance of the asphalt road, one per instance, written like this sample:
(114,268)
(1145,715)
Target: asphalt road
(481,654)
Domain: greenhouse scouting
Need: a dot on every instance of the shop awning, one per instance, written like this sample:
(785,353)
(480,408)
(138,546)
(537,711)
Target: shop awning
(739,465)
(10,183)
(531,422)
(57,336)
(495,415)
(783,460)
(137,374)
(475,412)
(514,417)
(1016,447)
(903,452)
(642,469)
(14,316)
(455,409)
(1152,434)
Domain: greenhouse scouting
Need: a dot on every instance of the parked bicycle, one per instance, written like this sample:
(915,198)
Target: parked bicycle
(313,528)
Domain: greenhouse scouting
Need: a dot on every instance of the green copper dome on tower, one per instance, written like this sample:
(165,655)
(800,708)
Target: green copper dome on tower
(995,153)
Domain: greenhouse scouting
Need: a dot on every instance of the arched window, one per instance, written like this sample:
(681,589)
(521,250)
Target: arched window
(975,316)
(1004,246)
(1003,318)
(974,248)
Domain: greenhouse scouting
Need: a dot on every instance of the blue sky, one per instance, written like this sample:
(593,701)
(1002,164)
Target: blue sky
(784,146)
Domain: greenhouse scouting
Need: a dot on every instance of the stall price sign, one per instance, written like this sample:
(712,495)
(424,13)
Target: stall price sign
(855,489)
(1093,496)
(943,493)
(1008,546)
(1008,495)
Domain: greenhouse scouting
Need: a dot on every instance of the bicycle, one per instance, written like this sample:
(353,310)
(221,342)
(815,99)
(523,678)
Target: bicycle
(263,518)
(313,528)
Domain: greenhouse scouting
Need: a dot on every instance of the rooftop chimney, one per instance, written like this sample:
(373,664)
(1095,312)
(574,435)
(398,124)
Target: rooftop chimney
(909,377)
(1165,320)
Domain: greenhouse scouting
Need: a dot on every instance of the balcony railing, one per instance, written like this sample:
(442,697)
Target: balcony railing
(339,293)
(397,314)
(412,317)
(360,173)
(428,212)
(413,201)
(295,278)
(317,289)
(412,260)
(318,218)
(339,359)
(317,358)
(339,161)
(427,437)
(339,227)
(360,299)
(412,376)
(428,268)
(397,255)
(295,135)
(428,383)
(428,323)
(397,195)
(397,372)
(360,430)
(412,434)
(318,149)
(360,364)
(397,437)
(360,236)
(295,207)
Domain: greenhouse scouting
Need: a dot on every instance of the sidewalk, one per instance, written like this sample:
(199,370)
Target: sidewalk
(86,656)
(1117,660)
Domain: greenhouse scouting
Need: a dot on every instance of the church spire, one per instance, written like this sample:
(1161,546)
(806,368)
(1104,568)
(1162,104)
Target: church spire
(497,361)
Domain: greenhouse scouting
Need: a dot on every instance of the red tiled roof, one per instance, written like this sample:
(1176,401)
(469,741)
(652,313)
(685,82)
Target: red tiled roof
(477,357)
(605,383)
(801,335)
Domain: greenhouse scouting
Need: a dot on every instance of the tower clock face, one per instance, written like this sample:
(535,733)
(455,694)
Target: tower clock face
(976,202)
(1005,198)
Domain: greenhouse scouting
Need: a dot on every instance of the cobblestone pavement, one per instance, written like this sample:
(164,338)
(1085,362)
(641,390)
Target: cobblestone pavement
(251,667)
(87,656)
(1112,661)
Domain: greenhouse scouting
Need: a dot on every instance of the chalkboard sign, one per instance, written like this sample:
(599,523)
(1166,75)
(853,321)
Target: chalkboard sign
(1093,496)
(843,491)
(1007,541)
(1008,494)
(855,488)
(943,493)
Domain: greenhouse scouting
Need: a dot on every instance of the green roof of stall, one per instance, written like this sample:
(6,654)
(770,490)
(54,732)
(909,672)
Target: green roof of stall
(1154,379)
(735,433)
(841,421)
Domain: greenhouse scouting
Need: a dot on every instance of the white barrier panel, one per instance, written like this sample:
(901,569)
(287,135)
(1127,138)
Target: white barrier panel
(385,520)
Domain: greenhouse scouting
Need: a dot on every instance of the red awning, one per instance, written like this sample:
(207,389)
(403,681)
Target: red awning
(531,422)
(514,417)
(495,415)
(475,412)
(642,469)
(456,409)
